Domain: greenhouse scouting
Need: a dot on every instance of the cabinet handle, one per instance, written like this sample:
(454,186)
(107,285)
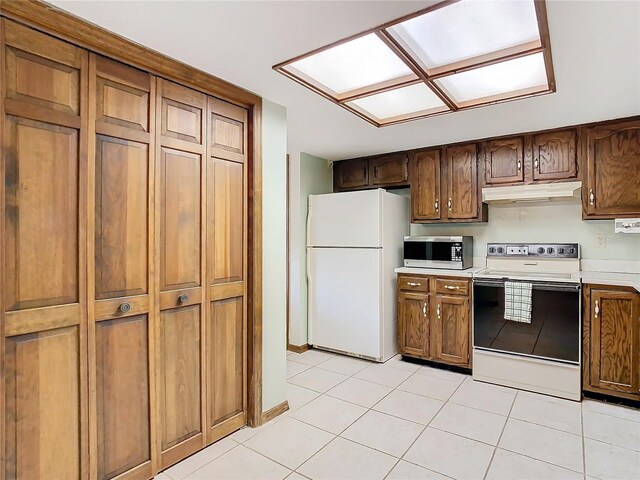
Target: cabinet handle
(438,311)
(535,164)
(592,197)
(449,287)
(183,298)
(437,206)
(413,284)
(519,165)
(449,203)
(424,309)
(125,307)
(597,309)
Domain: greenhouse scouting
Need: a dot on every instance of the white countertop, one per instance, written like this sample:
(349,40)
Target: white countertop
(442,272)
(612,278)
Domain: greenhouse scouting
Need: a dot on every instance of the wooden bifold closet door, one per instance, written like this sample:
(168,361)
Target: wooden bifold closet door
(123,246)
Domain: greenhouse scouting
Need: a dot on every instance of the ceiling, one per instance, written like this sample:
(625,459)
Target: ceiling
(595,47)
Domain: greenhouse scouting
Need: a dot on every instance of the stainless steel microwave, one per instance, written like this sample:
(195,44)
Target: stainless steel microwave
(438,252)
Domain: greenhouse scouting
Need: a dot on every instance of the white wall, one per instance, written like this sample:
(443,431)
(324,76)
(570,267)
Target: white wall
(274,275)
(307,175)
(543,222)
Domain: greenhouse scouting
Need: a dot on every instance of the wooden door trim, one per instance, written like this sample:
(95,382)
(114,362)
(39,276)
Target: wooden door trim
(68,27)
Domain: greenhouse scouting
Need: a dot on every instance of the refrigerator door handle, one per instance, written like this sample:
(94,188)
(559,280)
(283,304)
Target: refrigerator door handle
(309,223)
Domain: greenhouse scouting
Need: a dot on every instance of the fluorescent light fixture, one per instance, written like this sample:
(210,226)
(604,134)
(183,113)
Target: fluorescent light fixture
(497,81)
(400,103)
(353,66)
(450,56)
(469,29)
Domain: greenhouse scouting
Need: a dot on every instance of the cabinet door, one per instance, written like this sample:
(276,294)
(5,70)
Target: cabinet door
(554,155)
(413,336)
(462,182)
(226,234)
(43,206)
(425,185)
(350,174)
(613,170)
(450,329)
(180,161)
(504,161)
(120,320)
(614,341)
(390,170)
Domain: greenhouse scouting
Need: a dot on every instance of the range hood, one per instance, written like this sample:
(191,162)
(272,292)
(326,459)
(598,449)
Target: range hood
(533,193)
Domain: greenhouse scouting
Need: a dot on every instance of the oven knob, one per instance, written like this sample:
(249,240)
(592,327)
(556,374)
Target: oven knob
(500,250)
(540,250)
(561,251)
(572,250)
(492,250)
(549,250)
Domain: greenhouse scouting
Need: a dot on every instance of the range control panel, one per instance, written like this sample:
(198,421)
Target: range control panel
(544,250)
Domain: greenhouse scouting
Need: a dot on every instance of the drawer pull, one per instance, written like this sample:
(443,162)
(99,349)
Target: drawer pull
(449,287)
(413,284)
(183,298)
(125,307)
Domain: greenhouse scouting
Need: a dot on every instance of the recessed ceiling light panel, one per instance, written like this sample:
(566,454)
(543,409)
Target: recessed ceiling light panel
(401,103)
(353,66)
(469,30)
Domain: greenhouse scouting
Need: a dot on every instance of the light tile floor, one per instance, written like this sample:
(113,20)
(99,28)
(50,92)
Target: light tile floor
(351,419)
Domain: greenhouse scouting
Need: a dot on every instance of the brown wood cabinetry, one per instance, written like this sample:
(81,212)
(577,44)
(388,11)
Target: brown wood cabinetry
(461,178)
(504,161)
(613,170)
(124,252)
(554,155)
(432,325)
(384,171)
(612,341)
(424,171)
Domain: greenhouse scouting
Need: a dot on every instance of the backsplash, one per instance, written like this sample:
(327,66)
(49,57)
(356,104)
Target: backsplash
(543,222)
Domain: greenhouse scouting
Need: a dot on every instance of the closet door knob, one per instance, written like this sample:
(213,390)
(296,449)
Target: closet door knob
(125,307)
(183,298)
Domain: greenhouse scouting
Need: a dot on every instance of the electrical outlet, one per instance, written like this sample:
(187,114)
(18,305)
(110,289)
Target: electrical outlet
(602,241)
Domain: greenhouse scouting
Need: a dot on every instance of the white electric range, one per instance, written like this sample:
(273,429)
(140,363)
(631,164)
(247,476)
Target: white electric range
(542,354)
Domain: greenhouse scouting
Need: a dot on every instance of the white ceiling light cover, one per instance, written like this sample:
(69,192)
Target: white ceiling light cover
(414,99)
(352,65)
(468,29)
(513,76)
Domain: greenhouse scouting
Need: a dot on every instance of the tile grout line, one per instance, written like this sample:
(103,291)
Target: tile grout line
(504,427)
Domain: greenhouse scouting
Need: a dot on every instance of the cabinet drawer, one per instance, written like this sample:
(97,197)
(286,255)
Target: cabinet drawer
(416,284)
(452,286)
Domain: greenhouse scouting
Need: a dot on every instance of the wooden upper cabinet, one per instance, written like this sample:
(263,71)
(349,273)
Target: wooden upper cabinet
(462,182)
(389,170)
(614,341)
(424,167)
(613,170)
(554,155)
(350,174)
(504,161)
(413,334)
(450,329)
(43,165)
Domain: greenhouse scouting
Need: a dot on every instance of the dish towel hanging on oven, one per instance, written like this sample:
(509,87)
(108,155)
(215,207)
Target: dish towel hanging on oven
(517,301)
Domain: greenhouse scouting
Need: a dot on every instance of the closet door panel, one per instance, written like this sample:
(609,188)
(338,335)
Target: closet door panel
(180,219)
(226,220)
(43,406)
(122,216)
(42,401)
(122,387)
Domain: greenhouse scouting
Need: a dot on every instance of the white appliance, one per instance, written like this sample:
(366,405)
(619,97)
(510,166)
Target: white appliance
(354,243)
(544,353)
(543,192)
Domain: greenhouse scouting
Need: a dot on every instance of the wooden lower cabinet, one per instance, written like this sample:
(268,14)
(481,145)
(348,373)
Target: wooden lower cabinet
(432,325)
(612,341)
(123,253)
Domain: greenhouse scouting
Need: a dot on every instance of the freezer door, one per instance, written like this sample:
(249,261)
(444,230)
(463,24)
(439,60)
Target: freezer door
(345,300)
(350,219)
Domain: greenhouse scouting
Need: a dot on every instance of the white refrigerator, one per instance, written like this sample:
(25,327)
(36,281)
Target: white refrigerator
(354,243)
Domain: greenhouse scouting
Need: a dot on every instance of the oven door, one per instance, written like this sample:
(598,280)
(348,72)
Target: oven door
(554,331)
